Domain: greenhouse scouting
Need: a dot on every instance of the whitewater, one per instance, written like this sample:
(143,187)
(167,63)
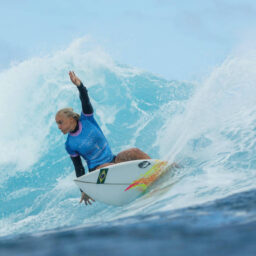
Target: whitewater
(207,126)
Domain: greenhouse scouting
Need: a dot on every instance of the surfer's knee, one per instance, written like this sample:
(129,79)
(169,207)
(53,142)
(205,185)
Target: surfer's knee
(104,165)
(139,154)
(131,154)
(123,156)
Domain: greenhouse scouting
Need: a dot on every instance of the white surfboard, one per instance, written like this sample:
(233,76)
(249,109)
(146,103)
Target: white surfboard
(121,183)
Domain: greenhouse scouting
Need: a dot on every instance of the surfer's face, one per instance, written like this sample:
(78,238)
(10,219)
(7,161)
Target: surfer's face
(65,124)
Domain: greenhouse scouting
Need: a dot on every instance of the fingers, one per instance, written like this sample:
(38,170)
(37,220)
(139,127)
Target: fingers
(72,75)
(75,80)
(87,200)
(82,199)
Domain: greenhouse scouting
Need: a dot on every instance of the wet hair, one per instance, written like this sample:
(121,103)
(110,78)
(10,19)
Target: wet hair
(68,112)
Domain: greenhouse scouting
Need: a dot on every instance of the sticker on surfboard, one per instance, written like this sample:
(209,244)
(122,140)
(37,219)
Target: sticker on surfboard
(102,176)
(144,164)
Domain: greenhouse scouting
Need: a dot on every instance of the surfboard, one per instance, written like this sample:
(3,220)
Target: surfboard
(122,183)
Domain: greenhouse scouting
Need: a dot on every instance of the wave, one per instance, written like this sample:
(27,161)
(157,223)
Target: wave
(208,127)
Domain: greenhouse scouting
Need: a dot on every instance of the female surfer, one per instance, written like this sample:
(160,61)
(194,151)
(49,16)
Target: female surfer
(86,139)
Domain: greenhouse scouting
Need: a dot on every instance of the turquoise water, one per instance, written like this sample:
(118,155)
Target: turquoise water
(207,126)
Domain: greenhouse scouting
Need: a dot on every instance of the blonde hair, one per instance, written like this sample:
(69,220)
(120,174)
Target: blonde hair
(68,112)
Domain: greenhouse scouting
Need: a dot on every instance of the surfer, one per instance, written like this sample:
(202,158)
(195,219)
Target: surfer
(86,139)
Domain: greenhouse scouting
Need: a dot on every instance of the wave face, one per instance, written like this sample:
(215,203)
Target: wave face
(207,127)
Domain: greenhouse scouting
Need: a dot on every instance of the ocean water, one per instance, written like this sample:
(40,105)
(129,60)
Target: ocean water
(208,206)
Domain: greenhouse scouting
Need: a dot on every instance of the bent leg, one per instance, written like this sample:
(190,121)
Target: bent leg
(104,165)
(131,154)
(127,155)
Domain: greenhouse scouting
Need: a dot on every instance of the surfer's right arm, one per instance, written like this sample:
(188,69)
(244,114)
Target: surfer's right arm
(79,168)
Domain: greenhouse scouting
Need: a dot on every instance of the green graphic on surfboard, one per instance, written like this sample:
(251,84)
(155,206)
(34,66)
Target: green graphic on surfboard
(102,176)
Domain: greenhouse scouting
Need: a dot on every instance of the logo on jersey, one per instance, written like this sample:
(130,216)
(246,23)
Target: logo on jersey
(102,176)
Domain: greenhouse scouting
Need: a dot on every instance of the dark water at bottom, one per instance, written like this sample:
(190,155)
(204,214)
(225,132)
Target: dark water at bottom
(222,227)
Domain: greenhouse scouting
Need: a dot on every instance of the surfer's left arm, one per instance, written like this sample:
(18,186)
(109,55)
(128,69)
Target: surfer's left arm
(83,93)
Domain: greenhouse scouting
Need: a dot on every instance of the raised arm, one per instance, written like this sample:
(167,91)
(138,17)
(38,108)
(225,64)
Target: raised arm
(85,100)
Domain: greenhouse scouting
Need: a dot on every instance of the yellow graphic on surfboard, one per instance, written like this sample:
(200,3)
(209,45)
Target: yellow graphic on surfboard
(149,177)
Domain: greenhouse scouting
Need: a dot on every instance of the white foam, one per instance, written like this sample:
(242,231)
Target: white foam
(32,91)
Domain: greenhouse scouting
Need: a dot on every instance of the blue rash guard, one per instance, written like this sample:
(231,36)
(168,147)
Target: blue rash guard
(87,139)
(89,142)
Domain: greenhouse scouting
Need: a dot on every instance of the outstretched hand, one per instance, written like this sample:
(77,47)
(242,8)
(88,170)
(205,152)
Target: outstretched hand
(74,79)
(87,200)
